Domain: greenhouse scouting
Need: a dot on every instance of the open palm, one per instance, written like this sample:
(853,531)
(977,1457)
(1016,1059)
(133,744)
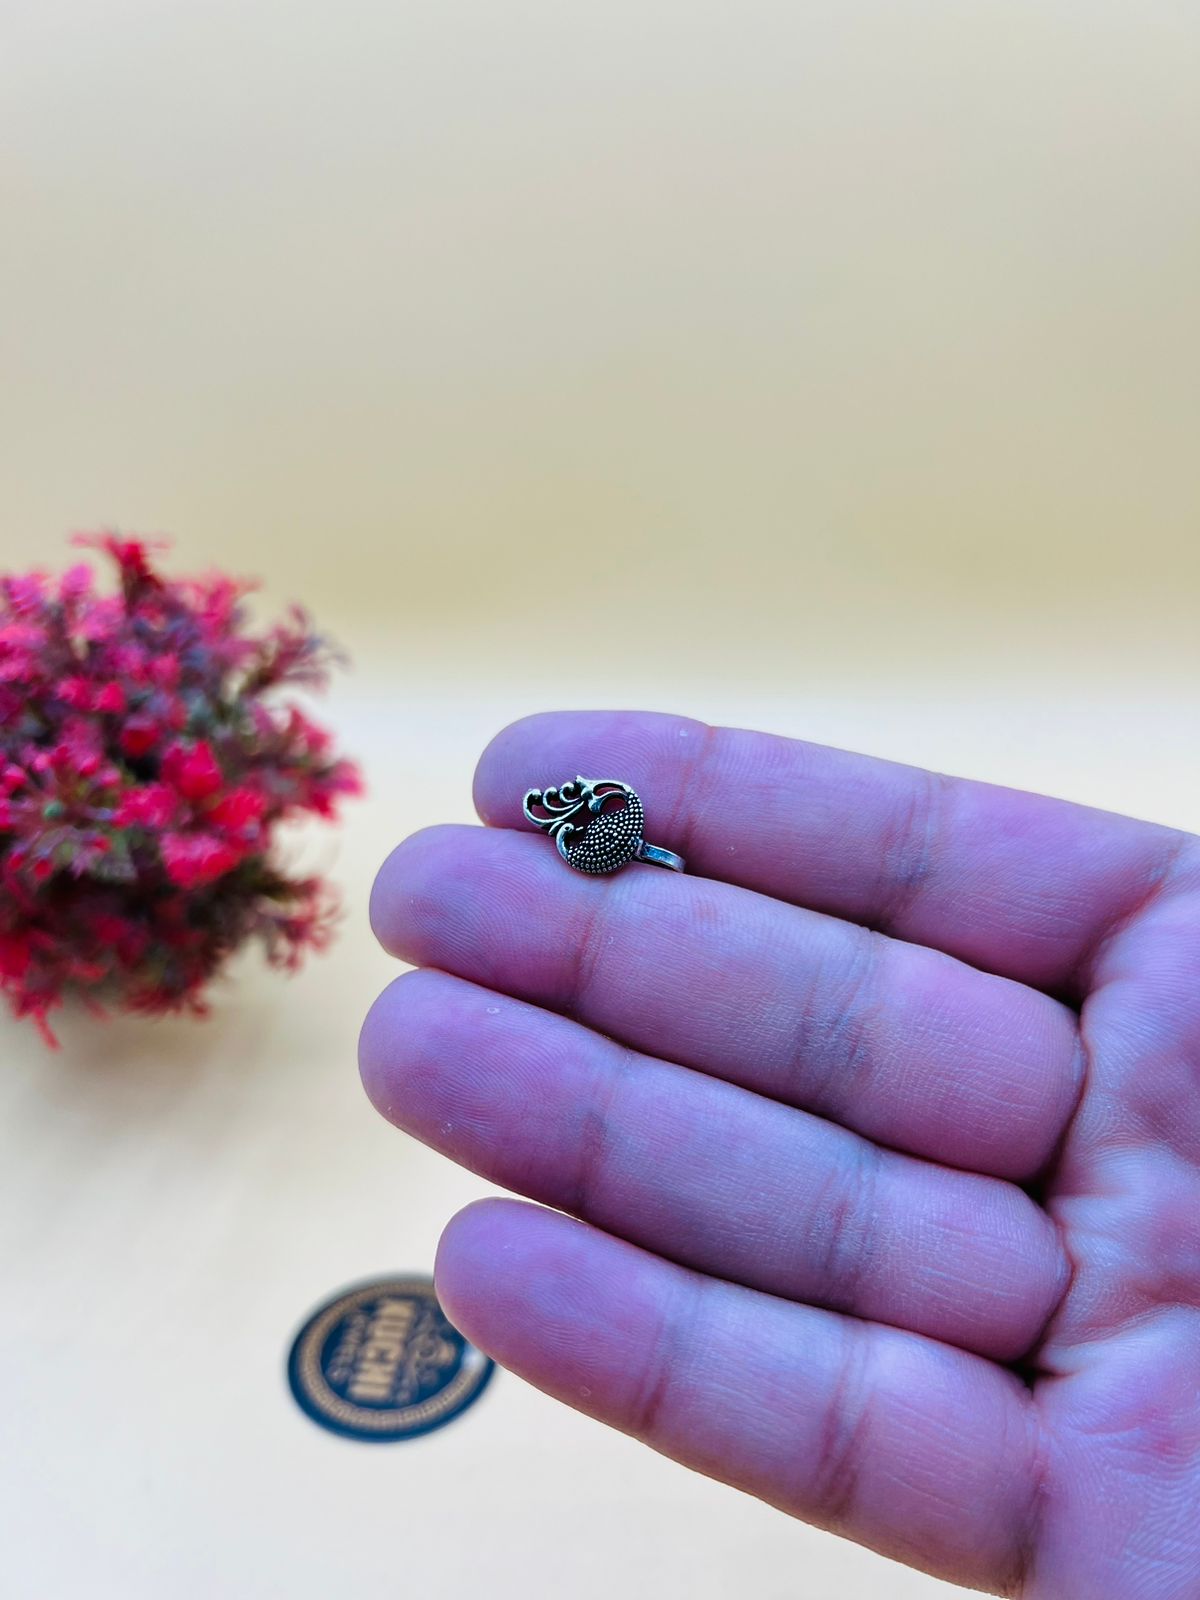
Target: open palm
(883,1124)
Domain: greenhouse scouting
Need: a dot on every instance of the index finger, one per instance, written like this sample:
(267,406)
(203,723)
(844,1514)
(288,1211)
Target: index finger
(1015,883)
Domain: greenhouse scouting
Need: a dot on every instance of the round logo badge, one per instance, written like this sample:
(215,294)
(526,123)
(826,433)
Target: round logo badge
(381,1362)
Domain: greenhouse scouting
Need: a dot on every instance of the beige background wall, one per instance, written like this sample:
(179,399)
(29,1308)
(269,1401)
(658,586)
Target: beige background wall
(831,366)
(869,328)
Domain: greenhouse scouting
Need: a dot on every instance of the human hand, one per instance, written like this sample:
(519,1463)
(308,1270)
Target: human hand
(882,1124)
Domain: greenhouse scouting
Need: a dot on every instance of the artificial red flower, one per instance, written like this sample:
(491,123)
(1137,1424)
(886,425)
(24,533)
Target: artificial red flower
(150,805)
(139,735)
(238,810)
(192,859)
(145,763)
(128,939)
(77,692)
(193,772)
(110,697)
(14,957)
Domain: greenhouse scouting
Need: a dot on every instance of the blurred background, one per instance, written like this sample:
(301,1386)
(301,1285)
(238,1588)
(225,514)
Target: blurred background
(824,366)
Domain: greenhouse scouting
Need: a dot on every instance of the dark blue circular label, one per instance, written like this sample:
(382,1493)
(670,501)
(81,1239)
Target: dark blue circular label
(381,1362)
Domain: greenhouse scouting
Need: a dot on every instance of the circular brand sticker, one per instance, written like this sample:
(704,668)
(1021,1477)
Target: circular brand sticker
(382,1362)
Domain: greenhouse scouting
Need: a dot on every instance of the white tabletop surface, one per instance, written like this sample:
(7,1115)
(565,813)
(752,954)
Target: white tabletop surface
(179,1195)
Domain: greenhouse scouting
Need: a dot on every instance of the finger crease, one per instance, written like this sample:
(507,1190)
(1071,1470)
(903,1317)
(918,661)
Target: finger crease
(664,1370)
(1029,1538)
(596,1136)
(850,1227)
(587,945)
(1160,882)
(844,1044)
(910,848)
(842,1445)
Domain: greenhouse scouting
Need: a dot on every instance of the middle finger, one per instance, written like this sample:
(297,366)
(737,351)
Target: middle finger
(903,1044)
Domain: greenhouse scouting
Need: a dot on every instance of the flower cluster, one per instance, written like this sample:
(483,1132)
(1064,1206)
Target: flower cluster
(145,760)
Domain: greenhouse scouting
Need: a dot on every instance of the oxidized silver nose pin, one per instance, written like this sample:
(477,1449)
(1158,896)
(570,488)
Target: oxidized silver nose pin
(597,825)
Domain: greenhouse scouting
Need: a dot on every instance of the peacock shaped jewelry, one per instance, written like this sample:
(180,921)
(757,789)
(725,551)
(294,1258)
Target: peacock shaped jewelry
(597,825)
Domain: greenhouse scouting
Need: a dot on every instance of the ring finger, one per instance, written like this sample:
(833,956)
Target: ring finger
(707,1174)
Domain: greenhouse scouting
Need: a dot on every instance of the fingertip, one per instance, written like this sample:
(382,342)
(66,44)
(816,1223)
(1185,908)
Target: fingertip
(410,886)
(398,1020)
(489,790)
(498,787)
(373,1039)
(476,1258)
(550,747)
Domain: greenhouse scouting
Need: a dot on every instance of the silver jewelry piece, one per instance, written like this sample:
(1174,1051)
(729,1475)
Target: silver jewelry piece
(589,837)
